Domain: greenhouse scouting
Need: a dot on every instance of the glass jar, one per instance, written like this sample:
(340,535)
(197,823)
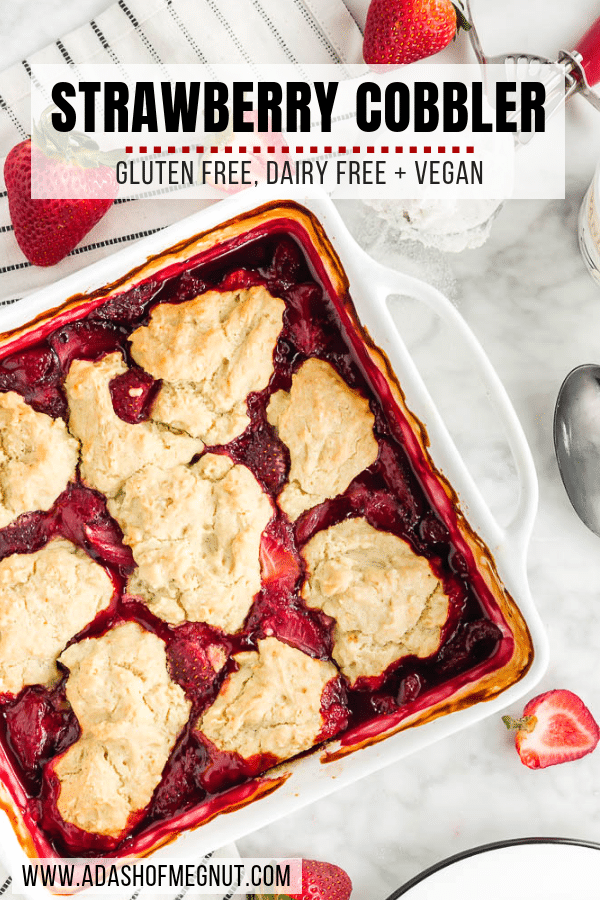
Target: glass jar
(589,228)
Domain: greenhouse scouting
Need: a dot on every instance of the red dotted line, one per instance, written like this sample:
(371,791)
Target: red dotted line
(312,150)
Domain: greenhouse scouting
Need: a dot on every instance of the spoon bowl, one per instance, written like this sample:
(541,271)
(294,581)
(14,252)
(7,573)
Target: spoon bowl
(577,442)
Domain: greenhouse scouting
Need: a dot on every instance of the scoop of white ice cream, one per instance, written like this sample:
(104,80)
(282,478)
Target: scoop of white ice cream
(451,225)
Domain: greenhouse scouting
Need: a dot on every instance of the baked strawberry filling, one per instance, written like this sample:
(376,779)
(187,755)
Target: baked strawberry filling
(380,489)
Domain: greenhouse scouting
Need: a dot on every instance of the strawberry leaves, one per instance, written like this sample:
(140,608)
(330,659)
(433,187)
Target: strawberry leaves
(462,23)
(70,146)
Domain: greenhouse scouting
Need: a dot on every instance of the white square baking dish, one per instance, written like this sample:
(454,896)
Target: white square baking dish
(500,552)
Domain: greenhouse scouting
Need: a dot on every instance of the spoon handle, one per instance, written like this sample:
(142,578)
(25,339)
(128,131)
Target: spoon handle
(589,47)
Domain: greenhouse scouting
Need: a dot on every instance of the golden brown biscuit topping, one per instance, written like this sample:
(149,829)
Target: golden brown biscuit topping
(385,600)
(211,352)
(113,450)
(130,713)
(272,704)
(46,598)
(38,458)
(195,532)
(328,428)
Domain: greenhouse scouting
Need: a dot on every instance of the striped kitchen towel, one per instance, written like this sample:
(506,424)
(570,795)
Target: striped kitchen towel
(154,31)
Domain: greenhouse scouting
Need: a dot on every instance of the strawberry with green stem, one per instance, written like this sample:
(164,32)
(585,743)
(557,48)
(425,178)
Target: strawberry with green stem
(76,180)
(556,727)
(398,32)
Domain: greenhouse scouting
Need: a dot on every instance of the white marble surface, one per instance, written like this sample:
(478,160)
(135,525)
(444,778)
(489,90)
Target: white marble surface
(534,308)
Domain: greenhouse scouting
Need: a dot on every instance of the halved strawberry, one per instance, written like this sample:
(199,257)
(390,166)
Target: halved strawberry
(240,280)
(35,374)
(279,563)
(132,395)
(556,727)
(81,516)
(40,724)
(265,455)
(179,788)
(196,656)
(304,327)
(286,266)
(274,615)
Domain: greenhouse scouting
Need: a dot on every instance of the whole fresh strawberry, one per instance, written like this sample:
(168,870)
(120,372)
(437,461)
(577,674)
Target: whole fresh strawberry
(402,31)
(556,727)
(71,172)
(320,881)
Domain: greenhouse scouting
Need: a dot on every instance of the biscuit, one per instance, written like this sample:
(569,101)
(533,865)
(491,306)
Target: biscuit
(113,450)
(46,598)
(328,429)
(195,533)
(271,704)
(130,713)
(385,600)
(38,458)
(211,352)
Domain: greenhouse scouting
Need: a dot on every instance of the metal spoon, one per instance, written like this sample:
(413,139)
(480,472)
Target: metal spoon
(577,442)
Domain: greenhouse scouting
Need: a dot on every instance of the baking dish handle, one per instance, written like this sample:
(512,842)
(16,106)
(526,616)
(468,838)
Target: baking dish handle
(518,531)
